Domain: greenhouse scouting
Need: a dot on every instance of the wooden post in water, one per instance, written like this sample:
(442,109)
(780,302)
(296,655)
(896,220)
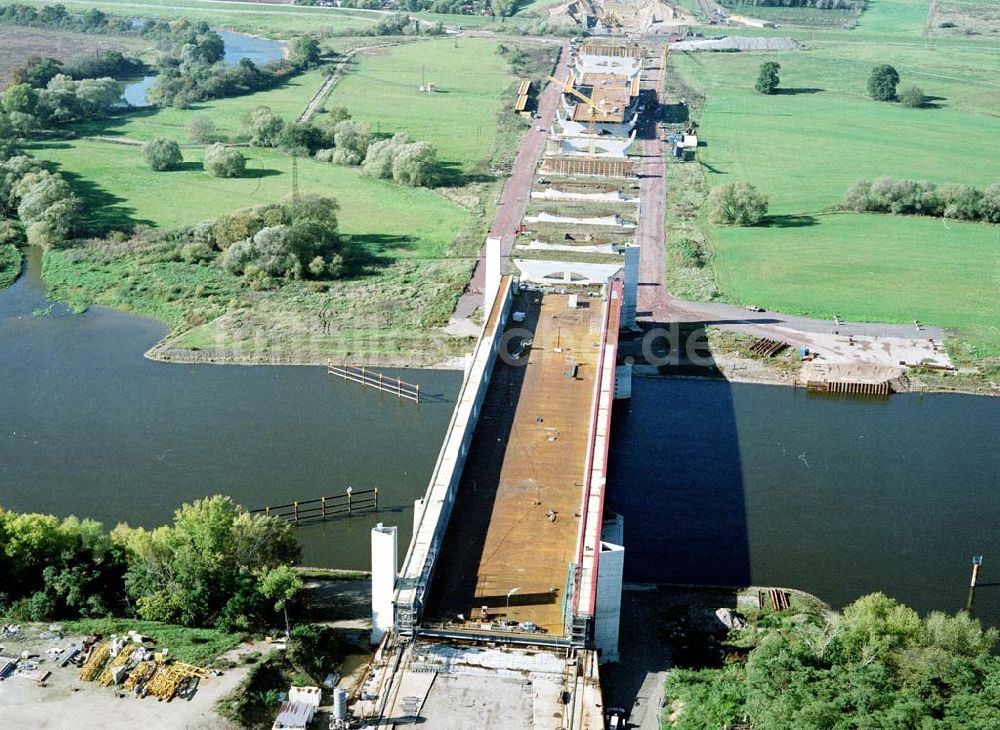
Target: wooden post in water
(296,507)
(322,507)
(977,562)
(418,394)
(376,499)
(349,490)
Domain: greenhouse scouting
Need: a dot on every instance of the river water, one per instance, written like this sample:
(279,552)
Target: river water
(88,426)
(238,46)
(719,483)
(732,484)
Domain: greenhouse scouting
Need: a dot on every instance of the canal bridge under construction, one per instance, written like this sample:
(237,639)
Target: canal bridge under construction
(510,540)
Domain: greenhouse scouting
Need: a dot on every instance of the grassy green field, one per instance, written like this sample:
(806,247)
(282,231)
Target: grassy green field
(276,21)
(804,147)
(229,115)
(871,267)
(119,190)
(906,17)
(460,119)
(194,646)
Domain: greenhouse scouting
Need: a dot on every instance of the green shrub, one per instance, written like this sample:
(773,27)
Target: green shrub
(738,204)
(882,83)
(912,97)
(221,161)
(162,154)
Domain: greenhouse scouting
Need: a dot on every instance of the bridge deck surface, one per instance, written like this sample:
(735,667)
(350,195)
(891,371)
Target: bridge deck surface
(525,467)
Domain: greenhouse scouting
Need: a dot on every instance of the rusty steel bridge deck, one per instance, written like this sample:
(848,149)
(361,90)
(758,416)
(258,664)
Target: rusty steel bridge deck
(516,520)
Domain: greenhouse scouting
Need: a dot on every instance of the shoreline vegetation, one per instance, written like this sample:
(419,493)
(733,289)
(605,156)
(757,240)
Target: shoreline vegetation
(10,264)
(810,666)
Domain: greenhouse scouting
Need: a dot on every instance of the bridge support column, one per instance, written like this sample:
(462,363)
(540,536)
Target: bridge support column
(494,272)
(608,607)
(630,293)
(384,567)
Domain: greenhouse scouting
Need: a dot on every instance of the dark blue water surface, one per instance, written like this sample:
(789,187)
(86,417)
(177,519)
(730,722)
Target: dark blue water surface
(732,484)
(90,427)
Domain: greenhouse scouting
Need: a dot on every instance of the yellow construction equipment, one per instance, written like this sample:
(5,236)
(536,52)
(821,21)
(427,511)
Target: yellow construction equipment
(169,678)
(107,677)
(98,656)
(138,675)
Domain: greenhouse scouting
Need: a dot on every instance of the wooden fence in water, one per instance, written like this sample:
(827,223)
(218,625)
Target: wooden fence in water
(324,508)
(375,379)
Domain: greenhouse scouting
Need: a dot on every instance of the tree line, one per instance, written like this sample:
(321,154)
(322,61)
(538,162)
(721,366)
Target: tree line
(36,204)
(56,17)
(215,565)
(920,197)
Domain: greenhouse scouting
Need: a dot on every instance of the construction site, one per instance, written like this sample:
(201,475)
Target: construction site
(508,599)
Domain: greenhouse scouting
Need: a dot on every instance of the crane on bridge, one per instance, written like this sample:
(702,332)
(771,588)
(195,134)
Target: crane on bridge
(593,108)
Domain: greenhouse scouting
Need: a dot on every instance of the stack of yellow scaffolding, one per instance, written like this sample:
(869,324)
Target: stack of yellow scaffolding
(107,677)
(92,667)
(163,685)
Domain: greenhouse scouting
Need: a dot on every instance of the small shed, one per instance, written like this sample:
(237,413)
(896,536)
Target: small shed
(293,716)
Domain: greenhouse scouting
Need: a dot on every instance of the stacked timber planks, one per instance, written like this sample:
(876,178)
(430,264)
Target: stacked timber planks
(767,348)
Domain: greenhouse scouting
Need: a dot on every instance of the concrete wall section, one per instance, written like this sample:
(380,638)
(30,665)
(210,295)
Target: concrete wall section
(432,521)
(607,612)
(385,561)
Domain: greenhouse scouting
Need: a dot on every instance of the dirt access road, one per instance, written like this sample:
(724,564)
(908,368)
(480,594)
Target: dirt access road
(649,233)
(515,196)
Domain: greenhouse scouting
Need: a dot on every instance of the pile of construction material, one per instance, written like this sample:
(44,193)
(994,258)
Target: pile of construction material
(128,663)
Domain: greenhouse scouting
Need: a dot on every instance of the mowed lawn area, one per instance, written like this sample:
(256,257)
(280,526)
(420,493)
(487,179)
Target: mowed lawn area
(120,190)
(459,119)
(806,146)
(229,115)
(270,19)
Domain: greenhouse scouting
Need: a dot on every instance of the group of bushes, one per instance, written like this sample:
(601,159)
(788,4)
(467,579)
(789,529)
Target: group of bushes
(398,158)
(212,567)
(61,100)
(41,200)
(193,70)
(920,197)
(294,239)
(877,665)
(163,153)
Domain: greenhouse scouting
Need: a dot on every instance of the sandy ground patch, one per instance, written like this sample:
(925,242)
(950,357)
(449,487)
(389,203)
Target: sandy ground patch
(67,702)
